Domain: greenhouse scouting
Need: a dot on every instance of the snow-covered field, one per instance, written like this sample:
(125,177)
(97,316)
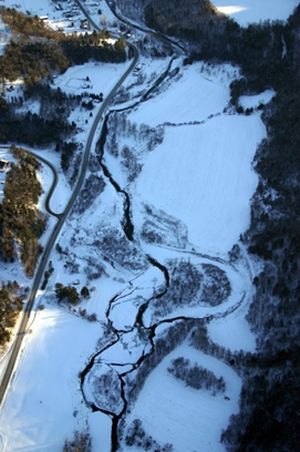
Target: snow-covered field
(93,77)
(190,419)
(199,91)
(257,99)
(42,405)
(202,175)
(184,159)
(199,181)
(201,172)
(41,8)
(54,16)
(248,11)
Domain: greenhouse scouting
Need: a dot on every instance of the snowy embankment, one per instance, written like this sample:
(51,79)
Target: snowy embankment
(249,11)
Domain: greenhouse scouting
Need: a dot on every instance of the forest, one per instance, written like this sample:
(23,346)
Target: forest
(272,392)
(36,53)
(21,224)
(268,55)
(10,307)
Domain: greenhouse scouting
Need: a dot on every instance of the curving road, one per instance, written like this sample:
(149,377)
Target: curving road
(53,185)
(112,6)
(15,350)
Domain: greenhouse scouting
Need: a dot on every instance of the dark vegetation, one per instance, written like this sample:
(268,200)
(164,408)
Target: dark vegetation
(185,283)
(107,389)
(80,49)
(272,393)
(10,306)
(117,250)
(37,130)
(67,293)
(182,18)
(136,436)
(268,55)
(70,294)
(93,187)
(196,376)
(192,285)
(36,53)
(21,224)
(81,442)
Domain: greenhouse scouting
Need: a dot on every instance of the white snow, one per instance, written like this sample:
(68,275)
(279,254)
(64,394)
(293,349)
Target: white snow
(37,414)
(233,333)
(202,175)
(103,77)
(4,36)
(41,8)
(190,419)
(255,100)
(199,175)
(99,425)
(201,91)
(56,18)
(248,11)
(62,192)
(29,106)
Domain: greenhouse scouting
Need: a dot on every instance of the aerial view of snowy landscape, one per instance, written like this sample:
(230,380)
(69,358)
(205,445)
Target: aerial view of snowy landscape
(149,225)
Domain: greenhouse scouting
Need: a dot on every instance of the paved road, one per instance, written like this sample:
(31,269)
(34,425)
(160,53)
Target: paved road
(61,220)
(112,6)
(53,185)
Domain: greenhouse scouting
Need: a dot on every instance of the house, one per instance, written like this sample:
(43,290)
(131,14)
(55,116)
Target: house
(4,166)
(84,25)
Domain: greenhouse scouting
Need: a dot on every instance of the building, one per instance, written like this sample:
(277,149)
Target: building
(4,166)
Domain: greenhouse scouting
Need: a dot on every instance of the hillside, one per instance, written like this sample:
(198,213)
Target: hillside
(167,294)
(176,17)
(268,54)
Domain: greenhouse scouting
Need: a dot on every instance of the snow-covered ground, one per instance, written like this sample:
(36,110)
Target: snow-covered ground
(201,172)
(6,160)
(197,92)
(193,188)
(190,419)
(4,36)
(202,175)
(249,11)
(257,99)
(43,408)
(101,14)
(233,332)
(92,77)
(65,18)
(40,8)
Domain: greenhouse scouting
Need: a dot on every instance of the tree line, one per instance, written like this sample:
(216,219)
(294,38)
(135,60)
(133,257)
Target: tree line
(268,55)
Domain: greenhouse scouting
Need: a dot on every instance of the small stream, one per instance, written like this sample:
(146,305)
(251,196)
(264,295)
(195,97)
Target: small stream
(116,335)
(149,332)
(128,228)
(127,224)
